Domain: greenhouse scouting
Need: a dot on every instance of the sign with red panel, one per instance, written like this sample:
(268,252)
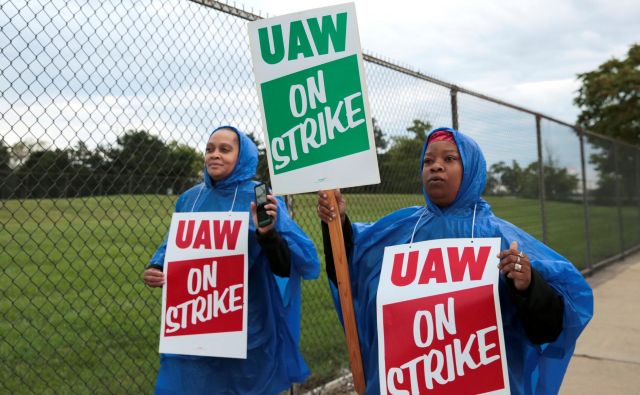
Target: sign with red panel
(204,304)
(439,320)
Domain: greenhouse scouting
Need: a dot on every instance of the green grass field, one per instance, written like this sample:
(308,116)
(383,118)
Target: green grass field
(78,319)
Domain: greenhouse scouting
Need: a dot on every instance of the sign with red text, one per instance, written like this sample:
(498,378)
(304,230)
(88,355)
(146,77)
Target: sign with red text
(439,320)
(204,299)
(313,97)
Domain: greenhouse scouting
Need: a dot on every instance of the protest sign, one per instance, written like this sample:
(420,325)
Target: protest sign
(315,112)
(204,299)
(439,320)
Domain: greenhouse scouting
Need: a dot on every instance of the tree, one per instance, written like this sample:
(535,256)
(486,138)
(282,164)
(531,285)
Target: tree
(5,156)
(381,143)
(610,98)
(184,167)
(401,166)
(143,163)
(22,149)
(378,135)
(617,166)
(89,170)
(262,172)
(46,174)
(138,164)
(508,180)
(610,101)
(559,184)
(520,181)
(6,176)
(420,129)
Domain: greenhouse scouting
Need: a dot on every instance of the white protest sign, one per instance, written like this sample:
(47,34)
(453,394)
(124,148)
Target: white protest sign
(439,319)
(315,111)
(204,299)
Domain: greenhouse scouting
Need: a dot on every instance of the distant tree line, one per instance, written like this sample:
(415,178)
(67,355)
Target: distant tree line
(519,181)
(141,163)
(138,163)
(398,160)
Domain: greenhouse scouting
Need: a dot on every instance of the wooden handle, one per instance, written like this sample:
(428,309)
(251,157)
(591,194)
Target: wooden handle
(346,302)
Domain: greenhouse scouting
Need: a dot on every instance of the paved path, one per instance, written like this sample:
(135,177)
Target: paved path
(607,356)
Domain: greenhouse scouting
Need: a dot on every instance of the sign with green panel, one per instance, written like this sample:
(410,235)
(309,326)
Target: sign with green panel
(327,114)
(315,111)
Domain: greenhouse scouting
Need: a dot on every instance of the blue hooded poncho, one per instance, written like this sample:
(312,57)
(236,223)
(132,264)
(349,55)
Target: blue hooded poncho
(273,359)
(533,369)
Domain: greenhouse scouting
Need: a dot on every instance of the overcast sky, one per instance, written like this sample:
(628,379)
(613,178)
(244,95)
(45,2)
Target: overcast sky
(64,80)
(524,52)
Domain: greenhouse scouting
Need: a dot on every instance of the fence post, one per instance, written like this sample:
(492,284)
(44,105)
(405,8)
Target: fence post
(616,159)
(454,107)
(543,217)
(585,202)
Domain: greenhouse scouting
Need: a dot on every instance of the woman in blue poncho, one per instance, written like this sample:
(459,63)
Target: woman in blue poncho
(545,301)
(280,255)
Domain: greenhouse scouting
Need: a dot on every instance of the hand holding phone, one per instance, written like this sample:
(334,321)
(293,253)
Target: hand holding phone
(261,192)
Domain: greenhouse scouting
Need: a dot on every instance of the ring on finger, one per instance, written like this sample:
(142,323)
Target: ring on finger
(517,267)
(518,260)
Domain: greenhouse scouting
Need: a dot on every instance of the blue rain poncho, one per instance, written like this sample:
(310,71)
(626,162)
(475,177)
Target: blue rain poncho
(274,361)
(533,369)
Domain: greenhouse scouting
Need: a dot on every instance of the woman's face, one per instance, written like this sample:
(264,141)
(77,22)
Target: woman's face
(442,172)
(221,154)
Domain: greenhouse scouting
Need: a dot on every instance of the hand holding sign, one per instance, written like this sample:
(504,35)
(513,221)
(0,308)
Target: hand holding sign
(516,266)
(153,277)
(326,211)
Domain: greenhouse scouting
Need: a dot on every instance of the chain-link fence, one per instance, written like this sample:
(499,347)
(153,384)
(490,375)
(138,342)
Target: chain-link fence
(104,112)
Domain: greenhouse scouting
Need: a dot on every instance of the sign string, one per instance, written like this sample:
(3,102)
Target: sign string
(426,209)
(233,202)
(473,221)
(196,200)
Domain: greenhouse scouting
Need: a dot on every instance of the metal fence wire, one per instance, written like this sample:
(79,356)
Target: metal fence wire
(105,107)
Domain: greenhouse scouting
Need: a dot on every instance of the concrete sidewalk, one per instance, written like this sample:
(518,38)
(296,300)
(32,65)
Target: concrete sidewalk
(607,356)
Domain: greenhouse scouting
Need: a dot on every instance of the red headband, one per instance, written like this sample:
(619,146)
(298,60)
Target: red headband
(442,135)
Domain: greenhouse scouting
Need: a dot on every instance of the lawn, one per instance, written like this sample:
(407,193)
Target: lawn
(77,318)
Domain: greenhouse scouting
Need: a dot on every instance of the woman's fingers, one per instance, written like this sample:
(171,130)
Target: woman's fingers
(153,277)
(325,214)
(324,209)
(323,199)
(272,207)
(516,265)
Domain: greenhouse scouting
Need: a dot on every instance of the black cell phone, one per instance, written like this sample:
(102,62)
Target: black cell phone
(261,192)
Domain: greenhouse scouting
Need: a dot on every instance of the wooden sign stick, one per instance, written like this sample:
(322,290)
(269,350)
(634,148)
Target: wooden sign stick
(346,302)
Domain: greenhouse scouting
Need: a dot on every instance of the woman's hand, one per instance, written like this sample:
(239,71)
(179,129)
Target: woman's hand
(272,211)
(327,212)
(153,277)
(516,266)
